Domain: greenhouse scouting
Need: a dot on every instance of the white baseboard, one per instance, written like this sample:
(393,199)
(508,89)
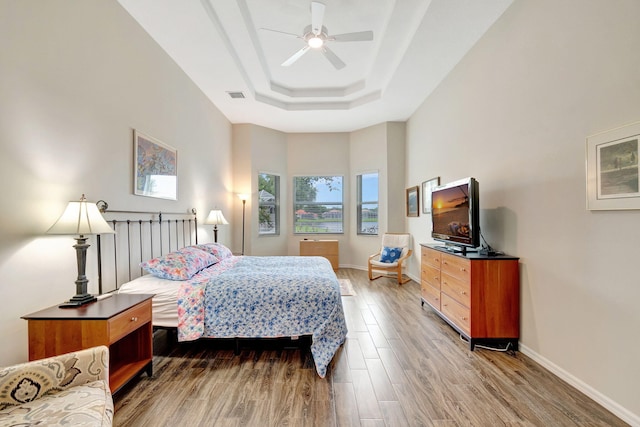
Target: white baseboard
(621,412)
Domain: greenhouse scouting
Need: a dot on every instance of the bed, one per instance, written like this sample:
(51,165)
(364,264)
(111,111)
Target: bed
(206,292)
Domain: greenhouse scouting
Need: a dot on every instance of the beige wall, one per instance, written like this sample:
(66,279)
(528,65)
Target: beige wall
(257,149)
(379,148)
(515,114)
(76,77)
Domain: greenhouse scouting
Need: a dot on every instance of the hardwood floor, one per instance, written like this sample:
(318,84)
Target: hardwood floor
(400,366)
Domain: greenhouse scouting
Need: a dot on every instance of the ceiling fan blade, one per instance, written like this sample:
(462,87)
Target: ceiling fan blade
(282,32)
(333,58)
(361,36)
(293,58)
(317,15)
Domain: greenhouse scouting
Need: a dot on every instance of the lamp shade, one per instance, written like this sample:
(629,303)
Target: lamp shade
(81,218)
(215,217)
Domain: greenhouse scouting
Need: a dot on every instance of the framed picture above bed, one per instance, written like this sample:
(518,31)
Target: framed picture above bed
(155,168)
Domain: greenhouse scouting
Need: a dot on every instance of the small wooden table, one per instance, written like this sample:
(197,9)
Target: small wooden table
(324,248)
(121,322)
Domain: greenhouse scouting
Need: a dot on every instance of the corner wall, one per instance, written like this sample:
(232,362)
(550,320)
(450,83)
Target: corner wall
(515,114)
(257,149)
(378,148)
(76,77)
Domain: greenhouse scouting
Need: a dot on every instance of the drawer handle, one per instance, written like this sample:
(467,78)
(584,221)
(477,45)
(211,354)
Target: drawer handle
(463,292)
(463,269)
(464,318)
(134,319)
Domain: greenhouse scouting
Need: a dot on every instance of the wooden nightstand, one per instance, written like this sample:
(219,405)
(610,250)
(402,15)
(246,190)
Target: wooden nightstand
(121,322)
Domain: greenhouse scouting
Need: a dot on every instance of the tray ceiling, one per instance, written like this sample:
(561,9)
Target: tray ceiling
(223,47)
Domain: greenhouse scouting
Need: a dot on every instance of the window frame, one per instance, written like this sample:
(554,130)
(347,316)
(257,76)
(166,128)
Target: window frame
(360,202)
(295,203)
(275,204)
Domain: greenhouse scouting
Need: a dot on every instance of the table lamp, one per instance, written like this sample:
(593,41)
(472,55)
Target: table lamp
(215,218)
(80,218)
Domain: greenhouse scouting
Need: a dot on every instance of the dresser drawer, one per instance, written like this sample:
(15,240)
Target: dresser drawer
(129,320)
(318,247)
(430,275)
(457,313)
(431,257)
(459,290)
(456,266)
(431,295)
(325,248)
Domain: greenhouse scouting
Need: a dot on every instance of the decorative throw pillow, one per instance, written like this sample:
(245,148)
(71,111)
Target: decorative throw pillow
(179,265)
(390,255)
(218,250)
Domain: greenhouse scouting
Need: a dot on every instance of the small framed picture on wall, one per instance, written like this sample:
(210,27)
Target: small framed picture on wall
(613,171)
(427,186)
(413,201)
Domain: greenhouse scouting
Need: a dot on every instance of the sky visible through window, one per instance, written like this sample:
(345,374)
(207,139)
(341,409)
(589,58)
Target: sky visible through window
(370,186)
(369,190)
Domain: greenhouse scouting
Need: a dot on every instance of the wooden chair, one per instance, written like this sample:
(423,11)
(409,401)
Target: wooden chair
(391,240)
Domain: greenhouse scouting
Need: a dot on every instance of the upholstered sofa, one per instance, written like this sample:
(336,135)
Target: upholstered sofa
(70,389)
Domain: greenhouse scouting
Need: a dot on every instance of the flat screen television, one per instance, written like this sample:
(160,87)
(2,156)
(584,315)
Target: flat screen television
(455,219)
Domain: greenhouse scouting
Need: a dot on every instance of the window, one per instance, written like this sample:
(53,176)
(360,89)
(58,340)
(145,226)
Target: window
(268,204)
(368,203)
(317,204)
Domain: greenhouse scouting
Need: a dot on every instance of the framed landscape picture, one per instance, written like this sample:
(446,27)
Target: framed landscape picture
(613,177)
(155,168)
(427,186)
(413,203)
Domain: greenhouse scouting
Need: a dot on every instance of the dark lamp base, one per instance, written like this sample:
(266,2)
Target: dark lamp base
(78,300)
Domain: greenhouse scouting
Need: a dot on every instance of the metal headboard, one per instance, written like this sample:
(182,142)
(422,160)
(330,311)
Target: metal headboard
(139,236)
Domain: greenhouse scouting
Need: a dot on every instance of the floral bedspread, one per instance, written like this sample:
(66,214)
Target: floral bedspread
(266,297)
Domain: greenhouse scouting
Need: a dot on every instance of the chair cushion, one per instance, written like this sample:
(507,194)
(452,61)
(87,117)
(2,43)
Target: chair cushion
(87,405)
(389,254)
(385,265)
(392,240)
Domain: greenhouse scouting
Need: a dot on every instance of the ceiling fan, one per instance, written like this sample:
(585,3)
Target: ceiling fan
(316,37)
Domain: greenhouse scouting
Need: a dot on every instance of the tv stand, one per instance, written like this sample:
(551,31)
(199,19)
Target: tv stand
(459,249)
(477,295)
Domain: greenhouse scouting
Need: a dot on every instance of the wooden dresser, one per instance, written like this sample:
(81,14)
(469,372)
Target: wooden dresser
(477,295)
(121,322)
(324,248)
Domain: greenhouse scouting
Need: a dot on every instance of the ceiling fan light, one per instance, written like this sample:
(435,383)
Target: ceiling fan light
(315,42)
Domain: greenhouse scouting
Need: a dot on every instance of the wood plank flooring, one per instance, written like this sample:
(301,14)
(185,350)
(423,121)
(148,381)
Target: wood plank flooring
(400,366)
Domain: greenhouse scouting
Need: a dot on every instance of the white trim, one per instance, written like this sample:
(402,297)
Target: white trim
(619,411)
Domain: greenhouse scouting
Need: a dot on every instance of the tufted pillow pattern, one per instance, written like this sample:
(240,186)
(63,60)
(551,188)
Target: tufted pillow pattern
(181,264)
(218,250)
